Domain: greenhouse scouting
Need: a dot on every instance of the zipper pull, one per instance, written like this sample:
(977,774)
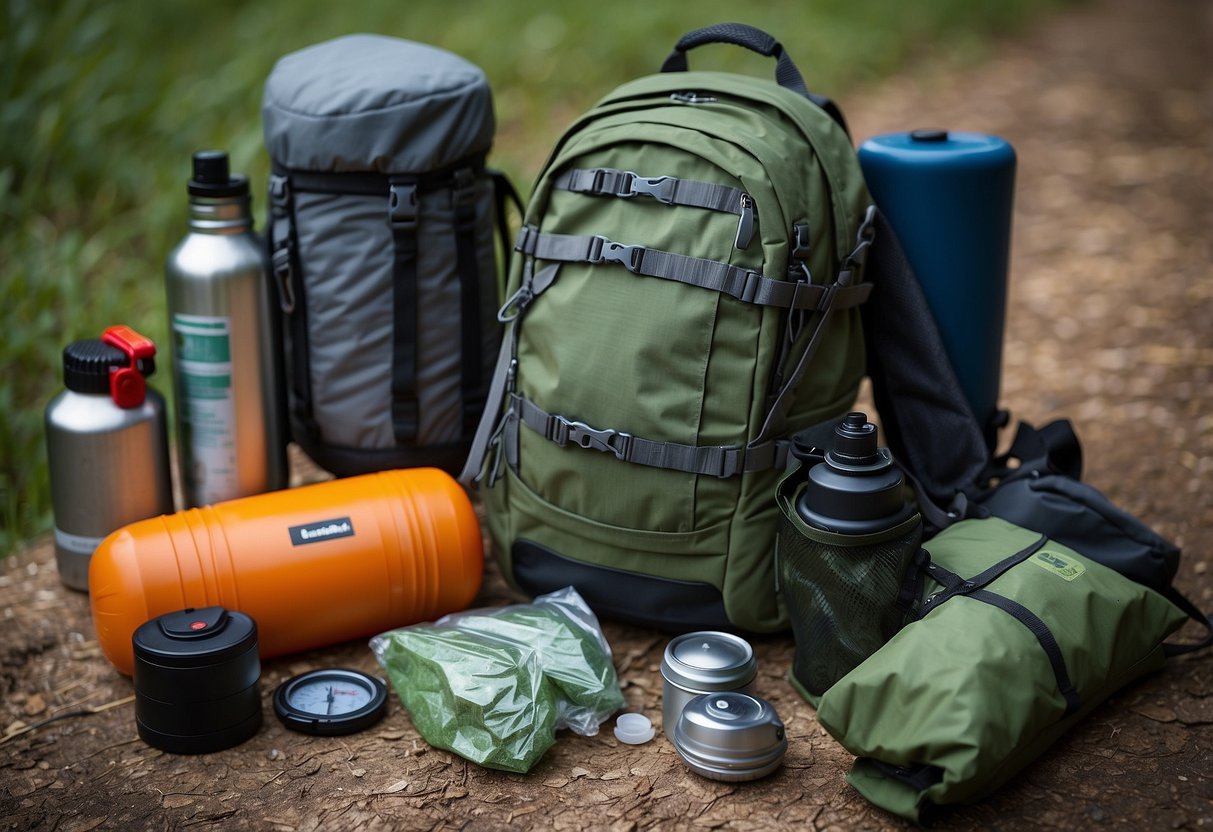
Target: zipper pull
(745,224)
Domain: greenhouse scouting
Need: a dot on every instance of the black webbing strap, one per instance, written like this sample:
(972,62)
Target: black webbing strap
(974,588)
(292,298)
(504,195)
(668,190)
(918,777)
(1204,619)
(463,196)
(955,585)
(709,460)
(1044,637)
(842,287)
(402,219)
(743,284)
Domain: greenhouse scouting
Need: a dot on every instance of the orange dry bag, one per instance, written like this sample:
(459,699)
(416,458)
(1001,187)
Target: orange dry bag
(312,566)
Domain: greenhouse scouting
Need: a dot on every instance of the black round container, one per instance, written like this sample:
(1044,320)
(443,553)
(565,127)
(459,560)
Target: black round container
(197,680)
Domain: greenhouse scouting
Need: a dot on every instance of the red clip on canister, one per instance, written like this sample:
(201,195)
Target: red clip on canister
(128,387)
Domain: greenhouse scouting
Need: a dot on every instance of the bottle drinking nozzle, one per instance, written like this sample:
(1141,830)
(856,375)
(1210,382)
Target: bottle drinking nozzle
(857,489)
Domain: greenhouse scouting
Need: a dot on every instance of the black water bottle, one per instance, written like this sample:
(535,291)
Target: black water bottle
(848,538)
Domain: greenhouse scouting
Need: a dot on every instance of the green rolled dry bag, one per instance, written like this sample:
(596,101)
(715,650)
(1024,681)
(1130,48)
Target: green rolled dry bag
(1018,638)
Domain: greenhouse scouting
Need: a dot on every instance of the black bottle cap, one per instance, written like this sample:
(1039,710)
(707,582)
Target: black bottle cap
(929,135)
(855,441)
(857,489)
(212,176)
(86,365)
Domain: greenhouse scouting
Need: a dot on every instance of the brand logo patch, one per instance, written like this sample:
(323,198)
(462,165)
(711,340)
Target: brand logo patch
(1063,566)
(321,530)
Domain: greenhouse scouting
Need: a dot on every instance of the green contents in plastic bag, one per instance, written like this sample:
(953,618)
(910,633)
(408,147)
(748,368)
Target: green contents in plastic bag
(493,685)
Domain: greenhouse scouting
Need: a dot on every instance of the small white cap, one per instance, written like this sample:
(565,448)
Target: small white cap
(634,729)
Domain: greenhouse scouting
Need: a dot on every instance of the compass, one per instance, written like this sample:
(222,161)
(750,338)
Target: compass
(330,701)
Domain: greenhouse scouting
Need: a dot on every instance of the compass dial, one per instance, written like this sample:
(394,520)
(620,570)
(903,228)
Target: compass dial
(330,701)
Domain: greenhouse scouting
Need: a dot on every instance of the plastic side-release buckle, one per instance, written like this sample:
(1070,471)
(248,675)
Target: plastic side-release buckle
(128,387)
(603,250)
(402,205)
(660,188)
(563,431)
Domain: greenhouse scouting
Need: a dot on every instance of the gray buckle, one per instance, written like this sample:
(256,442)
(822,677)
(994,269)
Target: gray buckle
(603,250)
(660,188)
(280,263)
(563,431)
(749,287)
(402,205)
(280,190)
(527,236)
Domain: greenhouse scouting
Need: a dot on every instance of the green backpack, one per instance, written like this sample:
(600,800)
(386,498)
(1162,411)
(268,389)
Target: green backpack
(687,297)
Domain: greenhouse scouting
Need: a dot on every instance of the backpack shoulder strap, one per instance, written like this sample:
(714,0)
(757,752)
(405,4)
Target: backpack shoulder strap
(927,422)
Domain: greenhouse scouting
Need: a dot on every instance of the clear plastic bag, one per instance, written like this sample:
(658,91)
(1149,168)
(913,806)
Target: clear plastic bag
(494,685)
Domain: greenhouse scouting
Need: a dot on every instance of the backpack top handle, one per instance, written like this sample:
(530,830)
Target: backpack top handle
(787,74)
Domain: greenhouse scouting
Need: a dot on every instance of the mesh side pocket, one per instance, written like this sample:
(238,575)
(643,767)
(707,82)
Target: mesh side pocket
(842,596)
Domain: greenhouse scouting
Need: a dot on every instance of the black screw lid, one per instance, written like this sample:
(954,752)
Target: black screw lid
(929,135)
(195,637)
(857,489)
(855,441)
(86,365)
(212,176)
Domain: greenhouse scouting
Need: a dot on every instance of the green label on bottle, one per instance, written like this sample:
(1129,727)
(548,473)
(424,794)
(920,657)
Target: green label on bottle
(203,353)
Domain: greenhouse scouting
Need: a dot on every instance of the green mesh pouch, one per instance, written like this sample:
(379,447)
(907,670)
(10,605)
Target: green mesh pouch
(846,594)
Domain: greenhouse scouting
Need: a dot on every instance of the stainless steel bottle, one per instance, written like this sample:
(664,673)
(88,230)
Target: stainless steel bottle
(225,373)
(107,445)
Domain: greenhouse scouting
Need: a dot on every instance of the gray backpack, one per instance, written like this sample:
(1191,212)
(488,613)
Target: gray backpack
(380,238)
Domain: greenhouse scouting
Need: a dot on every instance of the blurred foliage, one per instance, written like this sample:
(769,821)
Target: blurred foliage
(101,105)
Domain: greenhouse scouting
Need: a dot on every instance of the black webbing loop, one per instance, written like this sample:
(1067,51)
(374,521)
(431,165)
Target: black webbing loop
(283,244)
(504,193)
(739,34)
(463,196)
(402,219)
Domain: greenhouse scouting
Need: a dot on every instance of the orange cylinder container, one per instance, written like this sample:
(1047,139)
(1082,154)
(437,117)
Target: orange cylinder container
(313,565)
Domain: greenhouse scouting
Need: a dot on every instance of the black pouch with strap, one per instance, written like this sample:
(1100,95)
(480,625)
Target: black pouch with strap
(1036,485)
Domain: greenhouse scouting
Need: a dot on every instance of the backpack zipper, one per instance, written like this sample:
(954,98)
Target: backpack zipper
(745,223)
(692,98)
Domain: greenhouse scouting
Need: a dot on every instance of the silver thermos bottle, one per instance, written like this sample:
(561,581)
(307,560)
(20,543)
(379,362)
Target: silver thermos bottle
(107,446)
(230,439)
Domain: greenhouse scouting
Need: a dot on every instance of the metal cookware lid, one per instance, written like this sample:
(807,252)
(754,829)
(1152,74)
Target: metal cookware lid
(730,736)
(709,661)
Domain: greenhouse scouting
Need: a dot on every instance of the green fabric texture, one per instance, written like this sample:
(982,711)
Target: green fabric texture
(672,362)
(966,696)
(494,685)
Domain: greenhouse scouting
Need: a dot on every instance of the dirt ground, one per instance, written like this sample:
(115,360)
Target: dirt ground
(1109,107)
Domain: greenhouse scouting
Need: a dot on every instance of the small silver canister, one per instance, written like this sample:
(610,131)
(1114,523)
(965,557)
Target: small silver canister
(703,662)
(730,736)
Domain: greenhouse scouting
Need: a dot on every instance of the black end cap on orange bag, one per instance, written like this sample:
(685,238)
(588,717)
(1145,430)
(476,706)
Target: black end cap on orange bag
(197,680)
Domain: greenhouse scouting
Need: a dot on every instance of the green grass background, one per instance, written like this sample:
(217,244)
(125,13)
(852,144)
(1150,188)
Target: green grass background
(102,104)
